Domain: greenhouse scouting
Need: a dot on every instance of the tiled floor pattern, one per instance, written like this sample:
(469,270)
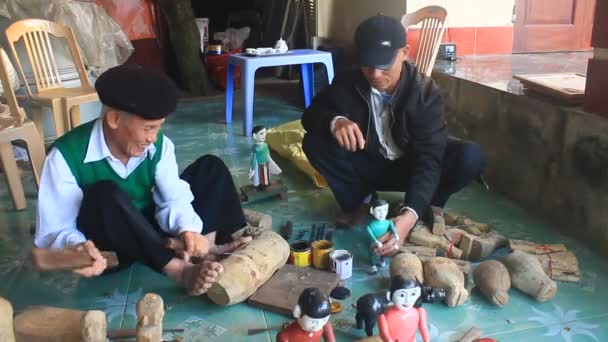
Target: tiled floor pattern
(578,313)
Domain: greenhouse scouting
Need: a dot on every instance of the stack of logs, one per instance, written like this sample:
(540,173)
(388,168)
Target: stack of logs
(49,324)
(531,268)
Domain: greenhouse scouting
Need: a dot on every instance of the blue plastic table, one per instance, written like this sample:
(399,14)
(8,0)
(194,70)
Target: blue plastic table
(249,65)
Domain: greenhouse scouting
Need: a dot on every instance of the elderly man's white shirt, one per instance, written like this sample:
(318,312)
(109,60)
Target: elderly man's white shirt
(60,197)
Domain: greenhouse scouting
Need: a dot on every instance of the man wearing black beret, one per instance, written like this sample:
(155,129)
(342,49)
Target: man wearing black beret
(113,184)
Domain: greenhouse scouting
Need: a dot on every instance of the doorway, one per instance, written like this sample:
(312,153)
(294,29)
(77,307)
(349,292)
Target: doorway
(553,25)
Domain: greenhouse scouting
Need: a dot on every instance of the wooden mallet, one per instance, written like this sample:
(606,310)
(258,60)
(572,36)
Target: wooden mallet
(51,259)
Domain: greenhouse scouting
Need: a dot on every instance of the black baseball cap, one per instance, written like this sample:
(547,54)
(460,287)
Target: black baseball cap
(377,40)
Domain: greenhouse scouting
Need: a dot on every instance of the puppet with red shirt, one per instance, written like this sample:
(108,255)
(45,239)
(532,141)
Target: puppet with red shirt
(400,321)
(312,319)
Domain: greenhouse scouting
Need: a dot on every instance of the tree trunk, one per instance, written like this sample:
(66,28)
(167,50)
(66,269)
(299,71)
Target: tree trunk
(249,268)
(185,39)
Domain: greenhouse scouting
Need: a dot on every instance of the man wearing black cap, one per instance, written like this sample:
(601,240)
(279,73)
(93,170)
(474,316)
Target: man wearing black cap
(113,184)
(383,128)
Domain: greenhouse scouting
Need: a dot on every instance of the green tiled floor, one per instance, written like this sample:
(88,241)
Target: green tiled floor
(578,313)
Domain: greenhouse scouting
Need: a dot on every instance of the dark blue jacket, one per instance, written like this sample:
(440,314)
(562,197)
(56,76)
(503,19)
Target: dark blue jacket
(420,128)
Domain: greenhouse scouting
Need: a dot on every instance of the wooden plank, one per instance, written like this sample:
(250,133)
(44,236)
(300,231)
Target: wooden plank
(250,194)
(566,86)
(561,266)
(280,294)
(535,248)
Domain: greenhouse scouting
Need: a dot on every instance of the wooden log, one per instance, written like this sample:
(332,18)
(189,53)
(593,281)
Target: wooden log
(418,250)
(561,266)
(46,324)
(493,280)
(476,248)
(407,265)
(444,274)
(535,248)
(150,313)
(185,39)
(258,219)
(528,276)
(51,259)
(6,321)
(466,267)
(466,224)
(248,268)
(256,223)
(424,237)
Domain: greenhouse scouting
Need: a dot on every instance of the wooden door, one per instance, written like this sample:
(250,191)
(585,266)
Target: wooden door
(553,25)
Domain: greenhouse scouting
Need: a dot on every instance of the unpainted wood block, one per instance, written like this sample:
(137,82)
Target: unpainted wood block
(438,221)
(48,324)
(94,326)
(419,250)
(150,313)
(442,273)
(407,265)
(7,333)
(528,276)
(424,237)
(493,280)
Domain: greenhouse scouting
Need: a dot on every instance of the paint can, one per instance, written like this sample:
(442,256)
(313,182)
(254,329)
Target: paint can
(341,262)
(300,254)
(214,49)
(320,253)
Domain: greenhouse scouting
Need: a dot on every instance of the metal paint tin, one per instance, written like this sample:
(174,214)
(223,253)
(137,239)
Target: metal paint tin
(214,49)
(320,253)
(341,262)
(300,254)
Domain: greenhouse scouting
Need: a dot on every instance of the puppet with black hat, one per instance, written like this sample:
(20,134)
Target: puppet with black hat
(113,184)
(312,319)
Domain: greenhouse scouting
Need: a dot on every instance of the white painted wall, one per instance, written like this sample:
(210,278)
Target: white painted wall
(471,13)
(337,19)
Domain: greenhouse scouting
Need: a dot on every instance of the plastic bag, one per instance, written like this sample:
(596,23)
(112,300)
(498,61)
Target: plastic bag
(135,17)
(13,78)
(233,38)
(100,38)
(101,41)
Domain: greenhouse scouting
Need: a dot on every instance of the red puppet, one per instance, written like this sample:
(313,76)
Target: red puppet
(312,319)
(400,321)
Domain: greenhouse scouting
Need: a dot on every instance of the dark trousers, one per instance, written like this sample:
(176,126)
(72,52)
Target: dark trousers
(108,217)
(354,175)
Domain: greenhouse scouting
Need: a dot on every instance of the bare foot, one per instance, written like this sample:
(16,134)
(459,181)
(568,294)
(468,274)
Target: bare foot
(198,278)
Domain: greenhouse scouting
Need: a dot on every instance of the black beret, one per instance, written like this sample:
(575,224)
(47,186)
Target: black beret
(144,92)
